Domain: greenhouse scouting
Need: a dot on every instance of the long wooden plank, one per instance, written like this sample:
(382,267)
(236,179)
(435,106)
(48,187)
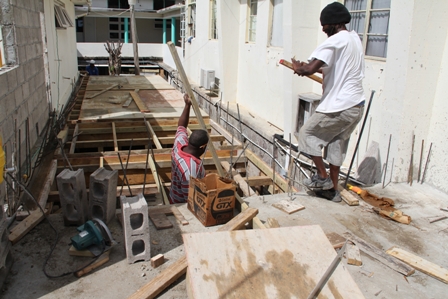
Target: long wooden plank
(102,91)
(104,258)
(179,268)
(245,188)
(114,133)
(153,135)
(43,197)
(139,102)
(420,264)
(197,111)
(380,255)
(21,229)
(74,138)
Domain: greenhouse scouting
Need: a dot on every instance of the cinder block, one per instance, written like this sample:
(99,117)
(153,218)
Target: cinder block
(103,194)
(73,196)
(136,228)
(5,244)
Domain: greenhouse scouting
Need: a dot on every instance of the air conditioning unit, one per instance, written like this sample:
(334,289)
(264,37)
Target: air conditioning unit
(207,78)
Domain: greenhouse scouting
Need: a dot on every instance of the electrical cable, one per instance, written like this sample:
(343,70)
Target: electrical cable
(57,237)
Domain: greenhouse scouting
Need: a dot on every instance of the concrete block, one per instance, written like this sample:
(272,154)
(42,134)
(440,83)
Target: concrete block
(12,80)
(369,170)
(26,90)
(9,104)
(3,85)
(103,194)
(136,228)
(20,75)
(73,196)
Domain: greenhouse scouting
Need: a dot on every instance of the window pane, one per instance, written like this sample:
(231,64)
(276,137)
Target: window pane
(357,22)
(380,4)
(113,35)
(379,22)
(253,7)
(356,4)
(113,19)
(113,27)
(277,24)
(377,46)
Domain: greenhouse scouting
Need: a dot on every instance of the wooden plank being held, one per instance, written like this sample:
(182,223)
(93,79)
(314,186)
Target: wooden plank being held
(158,180)
(380,255)
(153,135)
(420,264)
(179,268)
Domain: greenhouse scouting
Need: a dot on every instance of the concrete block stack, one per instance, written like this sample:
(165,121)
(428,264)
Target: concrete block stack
(103,194)
(73,196)
(136,228)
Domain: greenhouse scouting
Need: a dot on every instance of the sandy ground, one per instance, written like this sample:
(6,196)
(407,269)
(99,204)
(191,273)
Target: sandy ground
(118,279)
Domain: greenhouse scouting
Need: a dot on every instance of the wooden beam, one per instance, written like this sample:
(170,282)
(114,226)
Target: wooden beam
(104,258)
(114,133)
(141,106)
(21,229)
(420,264)
(74,138)
(245,188)
(380,255)
(153,135)
(102,91)
(279,181)
(259,180)
(179,268)
(197,111)
(43,196)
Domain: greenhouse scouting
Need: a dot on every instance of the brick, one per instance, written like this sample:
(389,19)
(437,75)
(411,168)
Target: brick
(136,228)
(157,260)
(73,196)
(103,194)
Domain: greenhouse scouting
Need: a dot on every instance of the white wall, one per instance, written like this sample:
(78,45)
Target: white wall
(61,45)
(98,50)
(410,84)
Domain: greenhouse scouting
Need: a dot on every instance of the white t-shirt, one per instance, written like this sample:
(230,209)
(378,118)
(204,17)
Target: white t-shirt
(343,70)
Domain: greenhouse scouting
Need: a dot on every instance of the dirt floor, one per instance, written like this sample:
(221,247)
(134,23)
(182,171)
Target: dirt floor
(118,279)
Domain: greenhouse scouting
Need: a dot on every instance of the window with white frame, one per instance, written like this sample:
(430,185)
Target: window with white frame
(252,20)
(192,19)
(370,19)
(213,20)
(277,23)
(62,19)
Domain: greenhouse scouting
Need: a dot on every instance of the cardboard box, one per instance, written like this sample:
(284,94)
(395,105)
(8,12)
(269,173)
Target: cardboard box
(212,199)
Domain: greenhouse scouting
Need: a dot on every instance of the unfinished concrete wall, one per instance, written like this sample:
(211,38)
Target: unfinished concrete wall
(23,98)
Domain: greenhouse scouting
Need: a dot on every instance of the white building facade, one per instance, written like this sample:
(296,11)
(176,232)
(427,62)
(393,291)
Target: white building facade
(406,59)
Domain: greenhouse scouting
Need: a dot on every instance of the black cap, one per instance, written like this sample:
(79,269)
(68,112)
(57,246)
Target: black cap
(335,13)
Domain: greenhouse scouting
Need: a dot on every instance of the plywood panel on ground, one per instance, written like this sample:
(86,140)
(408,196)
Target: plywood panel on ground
(266,263)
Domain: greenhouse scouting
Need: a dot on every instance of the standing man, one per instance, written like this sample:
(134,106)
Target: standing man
(341,60)
(92,69)
(186,156)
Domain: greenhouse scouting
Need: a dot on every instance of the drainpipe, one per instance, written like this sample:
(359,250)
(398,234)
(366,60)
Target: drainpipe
(164,32)
(173,30)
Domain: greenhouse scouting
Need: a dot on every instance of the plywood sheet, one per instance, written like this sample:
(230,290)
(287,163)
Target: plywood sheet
(97,83)
(270,263)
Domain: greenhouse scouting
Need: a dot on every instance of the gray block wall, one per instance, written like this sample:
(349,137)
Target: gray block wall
(22,82)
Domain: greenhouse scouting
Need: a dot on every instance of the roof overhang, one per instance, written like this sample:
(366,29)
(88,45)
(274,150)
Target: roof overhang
(97,12)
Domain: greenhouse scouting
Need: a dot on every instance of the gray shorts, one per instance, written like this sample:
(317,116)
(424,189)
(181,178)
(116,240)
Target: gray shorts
(331,131)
